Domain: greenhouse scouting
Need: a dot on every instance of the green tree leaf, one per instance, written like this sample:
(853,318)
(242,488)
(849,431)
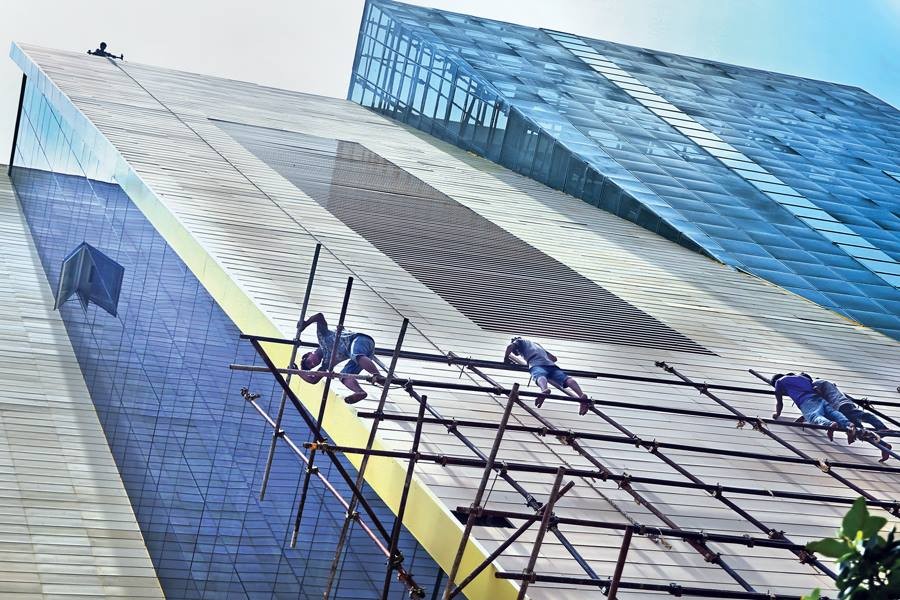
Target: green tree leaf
(813,595)
(873,525)
(868,565)
(830,547)
(855,519)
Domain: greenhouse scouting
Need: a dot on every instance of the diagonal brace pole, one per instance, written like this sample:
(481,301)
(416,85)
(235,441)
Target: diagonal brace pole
(537,516)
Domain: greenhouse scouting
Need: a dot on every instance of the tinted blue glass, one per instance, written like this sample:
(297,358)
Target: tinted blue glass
(189,449)
(687,173)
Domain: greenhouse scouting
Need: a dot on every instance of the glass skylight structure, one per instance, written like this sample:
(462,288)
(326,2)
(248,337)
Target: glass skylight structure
(790,179)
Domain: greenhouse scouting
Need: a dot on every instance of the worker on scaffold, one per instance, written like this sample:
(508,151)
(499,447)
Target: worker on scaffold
(814,408)
(355,348)
(844,404)
(542,366)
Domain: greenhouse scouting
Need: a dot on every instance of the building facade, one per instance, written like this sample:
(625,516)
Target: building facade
(790,179)
(171,213)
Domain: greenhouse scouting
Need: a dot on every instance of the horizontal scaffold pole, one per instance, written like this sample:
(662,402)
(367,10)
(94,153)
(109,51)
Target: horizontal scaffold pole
(502,391)
(714,489)
(569,434)
(674,589)
(502,366)
(648,530)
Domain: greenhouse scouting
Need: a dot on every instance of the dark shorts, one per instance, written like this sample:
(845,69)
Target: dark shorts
(362,345)
(553,374)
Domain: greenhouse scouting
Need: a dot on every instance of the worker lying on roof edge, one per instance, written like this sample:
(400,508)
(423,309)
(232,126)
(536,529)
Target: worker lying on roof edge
(845,405)
(814,408)
(542,366)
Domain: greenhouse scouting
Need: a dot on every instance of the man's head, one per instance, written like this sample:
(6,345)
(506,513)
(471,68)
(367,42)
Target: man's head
(776,377)
(102,45)
(311,360)
(807,375)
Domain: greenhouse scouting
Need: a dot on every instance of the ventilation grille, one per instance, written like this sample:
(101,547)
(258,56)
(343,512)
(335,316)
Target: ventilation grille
(494,278)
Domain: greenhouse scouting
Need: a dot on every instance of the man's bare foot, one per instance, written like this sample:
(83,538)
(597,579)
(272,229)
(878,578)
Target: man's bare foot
(831,429)
(884,452)
(539,399)
(585,406)
(851,434)
(355,397)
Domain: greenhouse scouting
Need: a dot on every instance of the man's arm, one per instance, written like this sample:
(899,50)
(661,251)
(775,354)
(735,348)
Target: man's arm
(510,350)
(312,377)
(551,355)
(779,405)
(318,319)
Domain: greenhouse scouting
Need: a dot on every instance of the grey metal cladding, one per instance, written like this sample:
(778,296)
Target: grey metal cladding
(496,279)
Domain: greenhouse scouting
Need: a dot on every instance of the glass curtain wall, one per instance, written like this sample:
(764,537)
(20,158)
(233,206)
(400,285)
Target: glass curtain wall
(189,450)
(700,152)
(414,77)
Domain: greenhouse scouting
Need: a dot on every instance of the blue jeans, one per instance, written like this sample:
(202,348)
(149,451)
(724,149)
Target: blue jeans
(553,374)
(362,345)
(817,412)
(858,416)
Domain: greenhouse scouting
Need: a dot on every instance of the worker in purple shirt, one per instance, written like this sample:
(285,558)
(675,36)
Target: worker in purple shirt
(814,408)
(542,365)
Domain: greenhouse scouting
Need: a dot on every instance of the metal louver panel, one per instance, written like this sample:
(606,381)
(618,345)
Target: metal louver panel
(494,278)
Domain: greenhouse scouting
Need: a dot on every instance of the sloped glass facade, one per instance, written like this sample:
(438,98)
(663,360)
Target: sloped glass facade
(189,449)
(787,178)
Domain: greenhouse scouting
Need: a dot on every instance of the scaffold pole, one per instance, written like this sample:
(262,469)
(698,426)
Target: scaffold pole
(317,431)
(280,414)
(620,564)
(541,532)
(395,557)
(531,520)
(361,473)
(482,486)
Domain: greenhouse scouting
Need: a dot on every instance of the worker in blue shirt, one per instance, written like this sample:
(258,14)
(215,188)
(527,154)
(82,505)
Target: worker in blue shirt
(355,348)
(845,405)
(542,366)
(814,408)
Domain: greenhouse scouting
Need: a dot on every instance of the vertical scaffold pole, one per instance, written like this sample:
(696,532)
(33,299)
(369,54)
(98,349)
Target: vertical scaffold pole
(620,564)
(278,432)
(541,532)
(479,494)
(317,424)
(395,557)
(361,474)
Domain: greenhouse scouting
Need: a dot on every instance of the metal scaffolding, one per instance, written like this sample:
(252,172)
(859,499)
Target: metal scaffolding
(540,513)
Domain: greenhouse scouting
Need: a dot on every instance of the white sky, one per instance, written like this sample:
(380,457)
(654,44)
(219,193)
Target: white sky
(308,45)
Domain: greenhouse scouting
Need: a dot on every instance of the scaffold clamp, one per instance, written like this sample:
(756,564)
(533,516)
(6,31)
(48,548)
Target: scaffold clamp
(396,560)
